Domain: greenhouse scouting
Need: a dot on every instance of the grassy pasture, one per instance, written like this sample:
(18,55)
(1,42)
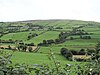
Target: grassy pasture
(45,36)
(77,43)
(36,58)
(40,58)
(18,35)
(42,55)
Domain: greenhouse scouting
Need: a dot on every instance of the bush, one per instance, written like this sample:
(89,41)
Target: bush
(90,51)
(74,52)
(30,49)
(66,53)
(63,51)
(82,52)
(85,37)
(71,38)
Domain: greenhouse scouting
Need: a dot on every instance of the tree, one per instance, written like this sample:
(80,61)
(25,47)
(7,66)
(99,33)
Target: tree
(74,52)
(97,47)
(50,28)
(9,47)
(63,51)
(90,51)
(66,53)
(29,24)
(71,38)
(50,41)
(30,49)
(57,41)
(85,37)
(24,48)
(44,42)
(82,52)
(29,37)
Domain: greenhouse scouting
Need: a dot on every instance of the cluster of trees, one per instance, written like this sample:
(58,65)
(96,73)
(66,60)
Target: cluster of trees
(51,41)
(34,26)
(66,53)
(30,36)
(78,32)
(1,33)
(94,53)
(16,41)
(24,48)
(83,51)
(21,47)
(50,28)
(18,28)
(28,44)
(85,37)
(46,42)
(62,38)
(10,41)
(80,52)
(97,47)
(58,28)
(7,41)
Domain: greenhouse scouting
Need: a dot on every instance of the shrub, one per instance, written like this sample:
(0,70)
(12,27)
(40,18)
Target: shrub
(66,53)
(74,52)
(97,47)
(30,49)
(63,51)
(9,47)
(90,51)
(82,52)
(71,38)
(85,37)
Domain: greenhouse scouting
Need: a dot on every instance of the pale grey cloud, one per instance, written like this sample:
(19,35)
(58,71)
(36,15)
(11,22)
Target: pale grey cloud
(12,10)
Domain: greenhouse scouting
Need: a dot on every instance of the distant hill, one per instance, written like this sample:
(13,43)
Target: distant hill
(51,22)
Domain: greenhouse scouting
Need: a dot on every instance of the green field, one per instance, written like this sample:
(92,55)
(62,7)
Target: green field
(45,36)
(18,36)
(41,56)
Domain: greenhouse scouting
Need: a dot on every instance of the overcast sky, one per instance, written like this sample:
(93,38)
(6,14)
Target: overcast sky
(17,10)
